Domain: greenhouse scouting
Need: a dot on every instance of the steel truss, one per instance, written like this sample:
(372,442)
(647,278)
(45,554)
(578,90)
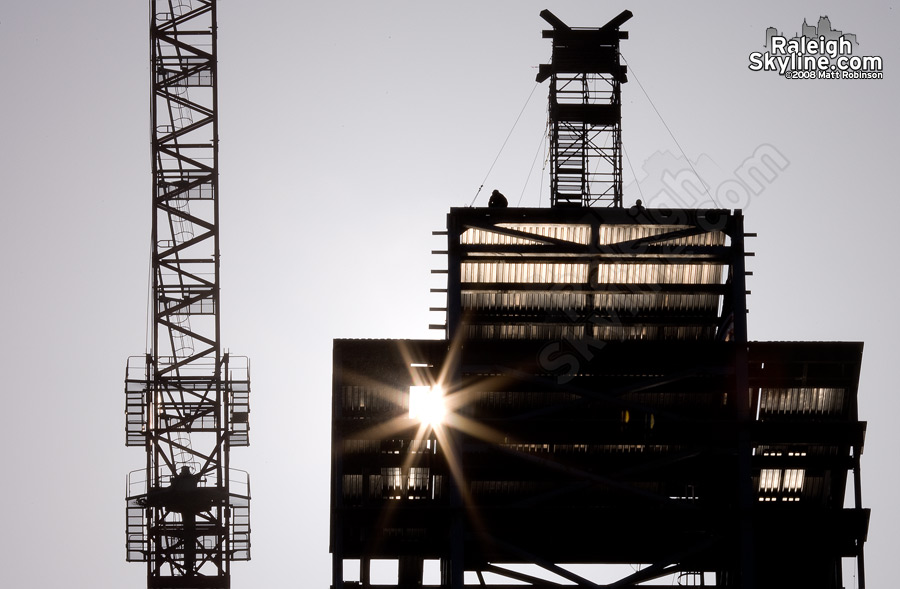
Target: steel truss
(585,113)
(187,402)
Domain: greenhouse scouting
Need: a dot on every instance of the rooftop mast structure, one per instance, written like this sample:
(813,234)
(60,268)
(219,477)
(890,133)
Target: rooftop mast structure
(585,112)
(187,401)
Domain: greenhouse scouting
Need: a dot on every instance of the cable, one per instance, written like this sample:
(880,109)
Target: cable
(543,171)
(147,342)
(531,169)
(631,167)
(504,143)
(672,135)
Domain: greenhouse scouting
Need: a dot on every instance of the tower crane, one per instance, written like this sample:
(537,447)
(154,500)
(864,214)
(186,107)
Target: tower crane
(187,400)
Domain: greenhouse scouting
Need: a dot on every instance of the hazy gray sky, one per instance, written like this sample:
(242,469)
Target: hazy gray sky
(347,131)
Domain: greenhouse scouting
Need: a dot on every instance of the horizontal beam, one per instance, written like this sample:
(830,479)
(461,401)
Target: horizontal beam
(615,288)
(645,254)
(710,219)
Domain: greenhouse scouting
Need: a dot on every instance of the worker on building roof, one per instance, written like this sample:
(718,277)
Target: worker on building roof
(497,201)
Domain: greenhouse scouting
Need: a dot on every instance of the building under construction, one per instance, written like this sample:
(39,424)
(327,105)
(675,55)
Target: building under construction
(595,399)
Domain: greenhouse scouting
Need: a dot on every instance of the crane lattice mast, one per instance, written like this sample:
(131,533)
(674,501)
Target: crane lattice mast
(585,112)
(187,401)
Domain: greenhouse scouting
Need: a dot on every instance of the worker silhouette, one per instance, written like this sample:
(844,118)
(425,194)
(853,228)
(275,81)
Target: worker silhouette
(497,201)
(184,480)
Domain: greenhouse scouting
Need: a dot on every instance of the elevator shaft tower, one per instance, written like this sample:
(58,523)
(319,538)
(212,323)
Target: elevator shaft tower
(187,401)
(585,112)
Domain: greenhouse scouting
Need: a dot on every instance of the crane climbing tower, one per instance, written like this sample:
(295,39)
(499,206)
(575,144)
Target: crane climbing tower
(187,401)
(586,76)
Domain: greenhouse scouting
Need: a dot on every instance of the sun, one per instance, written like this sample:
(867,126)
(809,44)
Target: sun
(427,404)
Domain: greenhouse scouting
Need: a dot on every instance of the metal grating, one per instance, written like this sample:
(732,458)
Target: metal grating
(673,273)
(612,234)
(525,272)
(806,402)
(576,233)
(575,274)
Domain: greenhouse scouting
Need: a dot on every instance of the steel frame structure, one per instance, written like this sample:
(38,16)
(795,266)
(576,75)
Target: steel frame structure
(585,112)
(632,422)
(605,404)
(636,461)
(187,402)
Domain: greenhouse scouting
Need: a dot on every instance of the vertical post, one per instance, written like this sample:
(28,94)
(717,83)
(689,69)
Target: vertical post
(747,559)
(455,570)
(337,493)
(409,572)
(365,572)
(454,278)
(858,504)
(223,424)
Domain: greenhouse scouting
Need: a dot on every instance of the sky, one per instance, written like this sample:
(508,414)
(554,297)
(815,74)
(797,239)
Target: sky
(348,130)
